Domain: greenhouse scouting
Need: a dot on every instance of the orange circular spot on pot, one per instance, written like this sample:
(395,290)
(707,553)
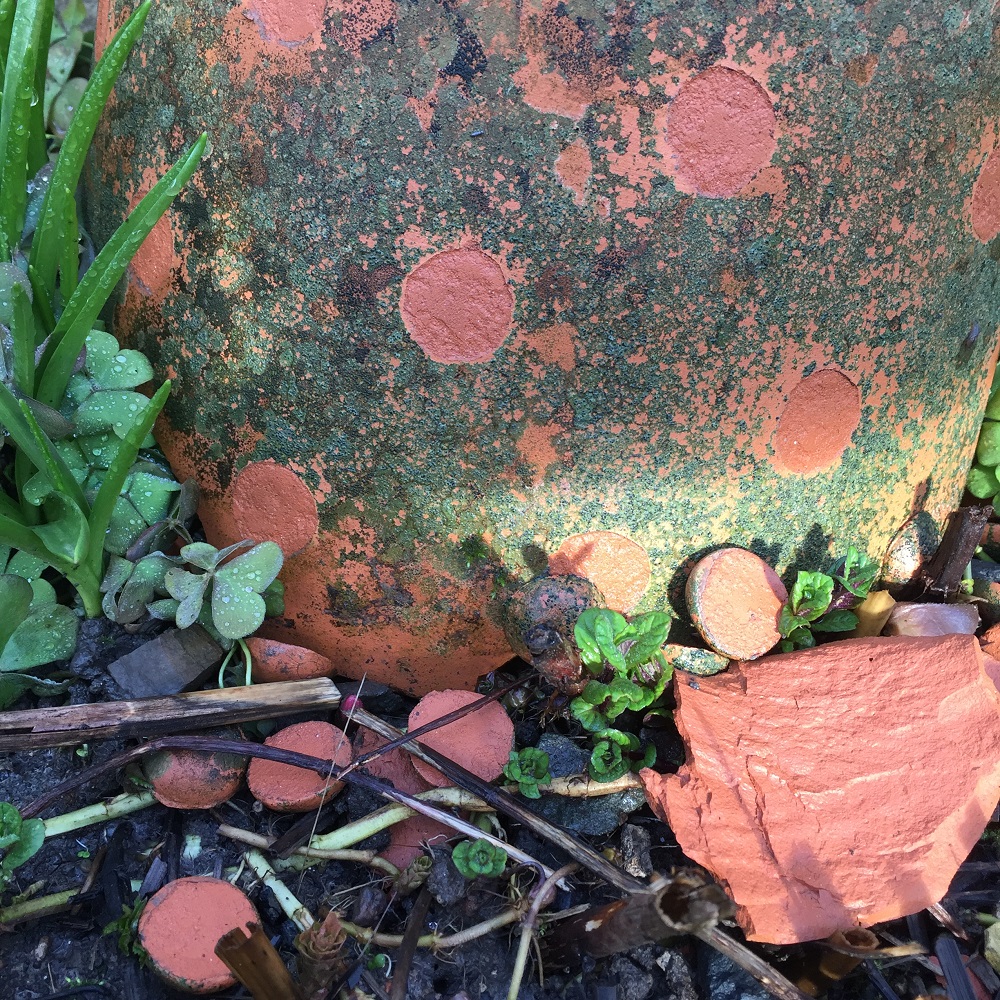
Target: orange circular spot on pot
(457,306)
(286,23)
(615,565)
(822,412)
(194,779)
(279,661)
(272,502)
(734,599)
(721,128)
(181,924)
(285,788)
(986,200)
(481,741)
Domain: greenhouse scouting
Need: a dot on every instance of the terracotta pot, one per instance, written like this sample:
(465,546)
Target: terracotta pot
(280,661)
(193,779)
(179,928)
(459,285)
(480,741)
(285,788)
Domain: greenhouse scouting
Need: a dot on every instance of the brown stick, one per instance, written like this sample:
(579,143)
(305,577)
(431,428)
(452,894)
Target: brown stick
(943,573)
(686,904)
(768,977)
(256,964)
(71,725)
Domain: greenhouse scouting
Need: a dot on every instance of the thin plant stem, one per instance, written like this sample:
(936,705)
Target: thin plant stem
(98,812)
(435,942)
(295,910)
(542,897)
(40,906)
(262,843)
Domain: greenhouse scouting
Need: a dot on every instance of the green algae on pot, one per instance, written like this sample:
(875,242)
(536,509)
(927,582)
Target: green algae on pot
(561,280)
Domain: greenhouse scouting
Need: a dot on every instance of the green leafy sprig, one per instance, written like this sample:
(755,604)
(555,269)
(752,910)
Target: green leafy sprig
(528,768)
(629,674)
(824,602)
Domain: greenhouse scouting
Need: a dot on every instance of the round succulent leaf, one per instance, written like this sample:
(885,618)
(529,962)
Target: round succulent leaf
(31,568)
(236,611)
(988,449)
(253,570)
(124,527)
(30,838)
(100,346)
(78,389)
(47,634)
(124,369)
(65,533)
(993,405)
(110,409)
(13,685)
(151,494)
(983,482)
(37,489)
(201,554)
(163,610)
(65,104)
(99,450)
(147,578)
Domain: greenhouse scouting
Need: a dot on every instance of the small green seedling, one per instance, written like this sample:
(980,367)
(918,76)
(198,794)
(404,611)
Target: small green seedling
(616,753)
(528,768)
(479,857)
(20,839)
(126,931)
(823,602)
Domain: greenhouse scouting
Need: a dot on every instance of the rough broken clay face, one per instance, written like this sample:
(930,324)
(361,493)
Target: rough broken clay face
(787,752)
(463,289)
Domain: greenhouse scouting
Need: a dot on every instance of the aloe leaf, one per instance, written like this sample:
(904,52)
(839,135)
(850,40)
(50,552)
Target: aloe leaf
(38,151)
(6,26)
(16,117)
(13,685)
(46,634)
(15,599)
(104,503)
(55,467)
(19,536)
(14,422)
(22,330)
(65,532)
(47,249)
(104,274)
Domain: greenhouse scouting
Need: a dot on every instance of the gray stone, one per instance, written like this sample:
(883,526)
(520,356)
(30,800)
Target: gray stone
(175,661)
(721,979)
(595,817)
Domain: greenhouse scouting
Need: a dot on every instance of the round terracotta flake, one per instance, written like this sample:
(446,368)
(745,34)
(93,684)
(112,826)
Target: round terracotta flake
(285,788)
(280,661)
(272,502)
(181,925)
(194,779)
(816,425)
(618,567)
(481,741)
(986,200)
(721,128)
(457,306)
(735,599)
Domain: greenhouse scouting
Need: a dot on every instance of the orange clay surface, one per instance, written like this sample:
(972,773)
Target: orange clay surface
(481,742)
(721,129)
(407,838)
(191,779)
(835,786)
(616,565)
(280,661)
(735,599)
(284,788)
(816,425)
(181,924)
(487,282)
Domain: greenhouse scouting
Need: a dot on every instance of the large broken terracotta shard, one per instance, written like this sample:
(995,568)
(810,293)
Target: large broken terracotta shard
(835,786)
